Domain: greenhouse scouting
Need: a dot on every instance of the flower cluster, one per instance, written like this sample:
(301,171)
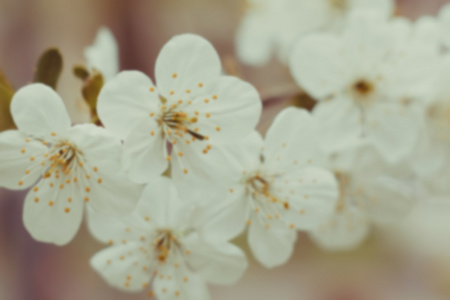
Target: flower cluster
(173,169)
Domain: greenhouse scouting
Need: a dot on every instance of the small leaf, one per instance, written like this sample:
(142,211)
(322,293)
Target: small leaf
(91,90)
(6,94)
(81,72)
(5,83)
(6,120)
(49,68)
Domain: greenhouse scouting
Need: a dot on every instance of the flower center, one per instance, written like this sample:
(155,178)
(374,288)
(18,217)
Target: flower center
(260,189)
(363,91)
(164,242)
(178,123)
(63,156)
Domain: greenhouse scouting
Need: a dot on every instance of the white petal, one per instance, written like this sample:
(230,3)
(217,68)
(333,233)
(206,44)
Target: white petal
(145,151)
(318,66)
(218,263)
(38,110)
(20,164)
(185,62)
(254,43)
(232,159)
(387,199)
(383,7)
(233,108)
(99,147)
(271,246)
(52,214)
(125,267)
(312,194)
(225,219)
(340,123)
(392,130)
(103,54)
(444,19)
(110,191)
(342,232)
(292,140)
(179,283)
(113,195)
(115,230)
(160,203)
(125,100)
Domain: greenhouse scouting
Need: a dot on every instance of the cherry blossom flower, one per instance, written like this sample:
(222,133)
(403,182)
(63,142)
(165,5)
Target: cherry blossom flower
(167,244)
(368,82)
(66,166)
(192,106)
(273,186)
(271,26)
(103,54)
(371,193)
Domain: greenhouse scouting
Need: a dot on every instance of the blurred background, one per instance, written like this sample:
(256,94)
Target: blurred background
(30,270)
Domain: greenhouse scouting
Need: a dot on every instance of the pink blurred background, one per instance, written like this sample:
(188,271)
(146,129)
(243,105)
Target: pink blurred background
(30,270)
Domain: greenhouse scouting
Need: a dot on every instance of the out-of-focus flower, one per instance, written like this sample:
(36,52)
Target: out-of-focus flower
(371,192)
(432,162)
(71,165)
(103,54)
(367,88)
(271,26)
(192,106)
(272,186)
(167,242)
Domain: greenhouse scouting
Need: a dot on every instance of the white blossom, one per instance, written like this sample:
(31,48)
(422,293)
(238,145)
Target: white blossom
(272,26)
(371,193)
(273,186)
(368,84)
(103,54)
(191,106)
(165,245)
(66,166)
(432,162)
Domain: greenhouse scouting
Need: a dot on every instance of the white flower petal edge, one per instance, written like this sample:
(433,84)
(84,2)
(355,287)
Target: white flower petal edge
(71,166)
(103,54)
(192,107)
(159,241)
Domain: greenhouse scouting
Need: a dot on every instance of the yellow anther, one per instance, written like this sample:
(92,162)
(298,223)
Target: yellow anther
(214,97)
(23,150)
(174,75)
(67,210)
(99,180)
(36,199)
(88,189)
(200,84)
(152,89)
(51,203)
